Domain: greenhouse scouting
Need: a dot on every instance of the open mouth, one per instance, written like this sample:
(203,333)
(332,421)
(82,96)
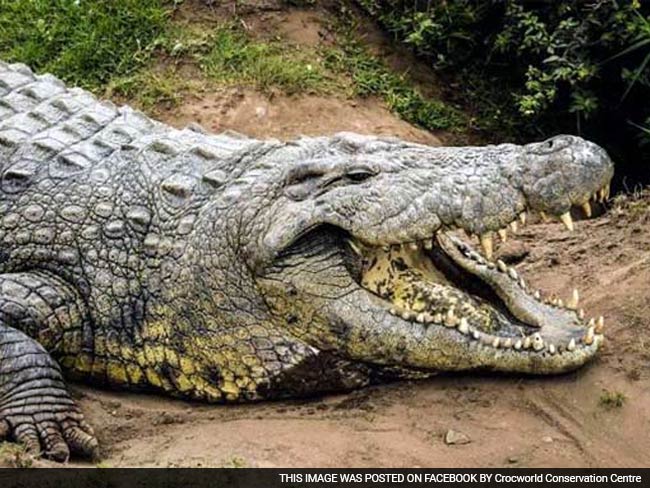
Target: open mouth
(443,282)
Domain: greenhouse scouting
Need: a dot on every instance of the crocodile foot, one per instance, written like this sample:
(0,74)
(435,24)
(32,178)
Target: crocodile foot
(48,425)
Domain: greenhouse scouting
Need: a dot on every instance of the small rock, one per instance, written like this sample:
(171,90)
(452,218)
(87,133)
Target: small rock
(453,437)
(513,459)
(547,439)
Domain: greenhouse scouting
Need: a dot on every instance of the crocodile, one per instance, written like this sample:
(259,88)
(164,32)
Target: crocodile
(223,268)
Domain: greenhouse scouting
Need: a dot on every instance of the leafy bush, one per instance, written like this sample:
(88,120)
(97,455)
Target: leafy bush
(538,67)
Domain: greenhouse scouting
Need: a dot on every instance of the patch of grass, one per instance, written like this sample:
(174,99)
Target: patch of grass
(370,76)
(235,462)
(234,57)
(132,49)
(15,456)
(83,42)
(612,399)
(149,89)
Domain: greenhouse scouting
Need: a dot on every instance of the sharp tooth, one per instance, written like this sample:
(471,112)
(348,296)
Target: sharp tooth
(586,208)
(601,194)
(551,348)
(437,318)
(589,337)
(428,244)
(487,245)
(386,248)
(354,246)
(572,345)
(592,323)
(567,221)
(518,344)
(607,190)
(573,301)
(414,246)
(522,283)
(560,303)
(502,266)
(392,311)
(544,217)
(522,218)
(537,295)
(406,315)
(420,318)
(581,314)
(538,342)
(600,325)
(463,326)
(503,235)
(496,342)
(508,343)
(554,301)
(513,226)
(476,334)
(450,319)
(513,274)
(527,342)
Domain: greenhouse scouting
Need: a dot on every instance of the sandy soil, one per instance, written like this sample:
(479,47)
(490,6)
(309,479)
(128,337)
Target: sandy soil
(507,421)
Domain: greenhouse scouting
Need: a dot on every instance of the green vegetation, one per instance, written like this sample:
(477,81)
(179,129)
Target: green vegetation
(133,49)
(83,42)
(15,456)
(149,88)
(233,57)
(224,55)
(235,462)
(536,68)
(612,399)
(370,76)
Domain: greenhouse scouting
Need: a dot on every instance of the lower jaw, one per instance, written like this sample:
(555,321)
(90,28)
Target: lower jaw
(392,341)
(419,293)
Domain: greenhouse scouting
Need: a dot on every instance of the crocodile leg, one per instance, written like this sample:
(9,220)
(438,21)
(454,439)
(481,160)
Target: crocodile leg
(35,406)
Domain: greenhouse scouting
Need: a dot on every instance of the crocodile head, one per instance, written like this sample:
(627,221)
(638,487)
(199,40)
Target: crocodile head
(361,256)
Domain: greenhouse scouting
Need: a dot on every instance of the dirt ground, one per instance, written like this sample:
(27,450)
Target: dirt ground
(506,420)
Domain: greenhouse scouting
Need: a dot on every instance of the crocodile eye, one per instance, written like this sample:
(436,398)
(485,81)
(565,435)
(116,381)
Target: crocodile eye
(358,175)
(551,145)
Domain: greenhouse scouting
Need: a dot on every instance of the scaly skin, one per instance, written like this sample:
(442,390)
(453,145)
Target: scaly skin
(222,268)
